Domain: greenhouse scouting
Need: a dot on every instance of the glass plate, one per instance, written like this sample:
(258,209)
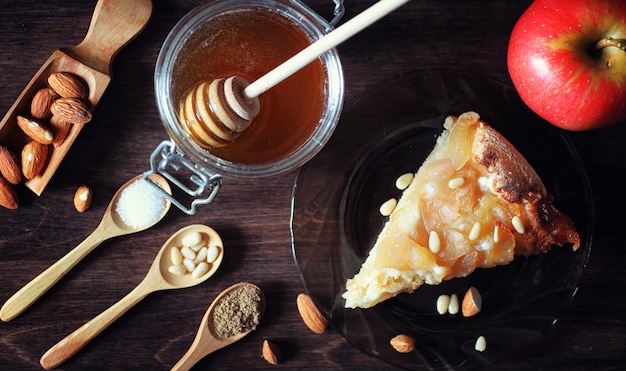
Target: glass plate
(388,131)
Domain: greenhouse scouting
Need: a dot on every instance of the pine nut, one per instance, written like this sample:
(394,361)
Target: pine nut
(189,264)
(404,181)
(188,252)
(439,270)
(176,256)
(200,270)
(453,306)
(443,302)
(201,255)
(177,269)
(434,243)
(518,224)
(481,344)
(455,183)
(496,234)
(387,208)
(197,247)
(192,239)
(475,232)
(212,253)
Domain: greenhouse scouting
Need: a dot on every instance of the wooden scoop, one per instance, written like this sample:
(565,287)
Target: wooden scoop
(217,112)
(113,25)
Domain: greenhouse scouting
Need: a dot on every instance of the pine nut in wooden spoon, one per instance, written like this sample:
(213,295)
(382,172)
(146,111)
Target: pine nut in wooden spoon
(113,25)
(158,278)
(208,338)
(111,225)
(219,111)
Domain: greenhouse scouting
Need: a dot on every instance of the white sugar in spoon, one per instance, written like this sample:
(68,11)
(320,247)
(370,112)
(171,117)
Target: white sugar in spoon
(234,101)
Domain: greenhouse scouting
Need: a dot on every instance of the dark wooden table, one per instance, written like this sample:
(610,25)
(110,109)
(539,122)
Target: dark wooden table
(253,215)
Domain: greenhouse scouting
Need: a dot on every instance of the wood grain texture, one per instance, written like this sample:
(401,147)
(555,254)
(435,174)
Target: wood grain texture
(252,216)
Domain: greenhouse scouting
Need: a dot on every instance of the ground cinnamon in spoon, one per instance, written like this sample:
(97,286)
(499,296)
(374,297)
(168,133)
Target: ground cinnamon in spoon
(238,311)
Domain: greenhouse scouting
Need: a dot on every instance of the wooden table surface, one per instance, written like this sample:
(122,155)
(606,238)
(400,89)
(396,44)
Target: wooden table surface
(253,215)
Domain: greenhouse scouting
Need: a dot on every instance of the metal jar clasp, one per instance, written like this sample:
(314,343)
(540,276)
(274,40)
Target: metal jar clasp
(201,186)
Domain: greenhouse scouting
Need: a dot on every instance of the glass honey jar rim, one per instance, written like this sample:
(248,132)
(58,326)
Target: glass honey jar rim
(312,24)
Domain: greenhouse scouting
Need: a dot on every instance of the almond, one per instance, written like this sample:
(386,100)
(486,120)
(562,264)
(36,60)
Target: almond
(59,129)
(72,110)
(8,195)
(403,343)
(271,352)
(40,105)
(9,166)
(82,198)
(310,314)
(68,85)
(35,130)
(472,302)
(34,156)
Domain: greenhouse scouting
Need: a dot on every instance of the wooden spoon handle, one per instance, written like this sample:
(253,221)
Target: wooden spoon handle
(113,25)
(203,345)
(193,355)
(71,344)
(313,51)
(39,285)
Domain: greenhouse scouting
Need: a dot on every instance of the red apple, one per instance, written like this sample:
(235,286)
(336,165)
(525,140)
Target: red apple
(567,60)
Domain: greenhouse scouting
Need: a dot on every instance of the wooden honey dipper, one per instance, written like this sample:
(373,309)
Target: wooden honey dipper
(216,112)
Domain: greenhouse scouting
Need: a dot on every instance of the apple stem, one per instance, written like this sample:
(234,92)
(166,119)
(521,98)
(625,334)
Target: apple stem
(609,41)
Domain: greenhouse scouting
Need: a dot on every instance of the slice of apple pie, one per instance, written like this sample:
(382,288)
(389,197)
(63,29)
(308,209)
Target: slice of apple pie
(474,203)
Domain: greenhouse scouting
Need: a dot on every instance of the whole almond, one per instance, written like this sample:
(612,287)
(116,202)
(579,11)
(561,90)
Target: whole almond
(472,302)
(59,129)
(82,198)
(403,343)
(40,105)
(35,130)
(9,166)
(72,110)
(271,352)
(8,195)
(34,156)
(68,85)
(310,314)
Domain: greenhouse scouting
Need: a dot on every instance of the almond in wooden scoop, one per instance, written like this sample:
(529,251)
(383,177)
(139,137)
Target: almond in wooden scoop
(68,85)
(60,129)
(41,103)
(9,166)
(34,156)
(72,110)
(35,130)
(8,195)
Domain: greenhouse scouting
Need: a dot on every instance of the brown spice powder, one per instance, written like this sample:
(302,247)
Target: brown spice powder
(238,311)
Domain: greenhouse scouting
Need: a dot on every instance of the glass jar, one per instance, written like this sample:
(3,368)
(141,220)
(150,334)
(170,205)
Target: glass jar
(202,168)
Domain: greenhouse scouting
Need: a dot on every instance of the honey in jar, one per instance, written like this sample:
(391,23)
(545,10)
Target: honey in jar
(249,43)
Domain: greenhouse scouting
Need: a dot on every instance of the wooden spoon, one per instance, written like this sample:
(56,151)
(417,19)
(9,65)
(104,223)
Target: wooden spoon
(113,25)
(219,111)
(158,278)
(110,226)
(207,341)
